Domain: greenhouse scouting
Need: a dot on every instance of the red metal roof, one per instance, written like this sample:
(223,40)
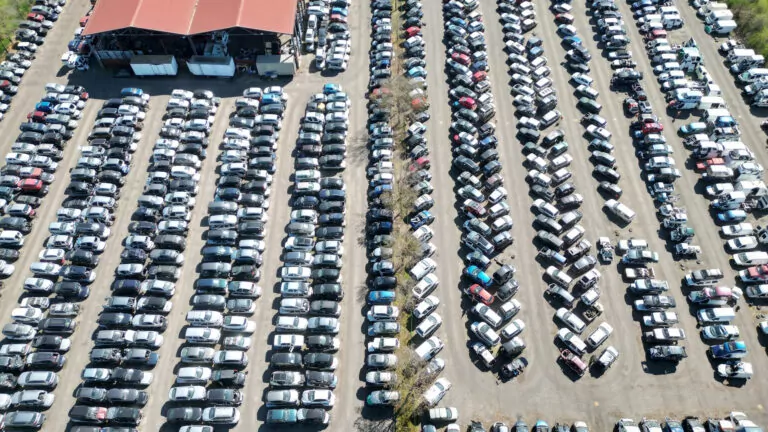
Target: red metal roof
(188,17)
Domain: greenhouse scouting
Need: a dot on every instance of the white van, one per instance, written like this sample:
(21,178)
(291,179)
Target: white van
(753,75)
(11,238)
(722,315)
(620,210)
(746,259)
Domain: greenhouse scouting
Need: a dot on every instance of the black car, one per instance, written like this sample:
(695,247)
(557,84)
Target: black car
(82,258)
(542,192)
(184,414)
(328,291)
(384,283)
(115,320)
(320,379)
(232,378)
(229,397)
(127,396)
(331,232)
(9,255)
(129,256)
(381,214)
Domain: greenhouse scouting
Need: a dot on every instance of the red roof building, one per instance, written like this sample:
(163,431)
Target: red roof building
(191,17)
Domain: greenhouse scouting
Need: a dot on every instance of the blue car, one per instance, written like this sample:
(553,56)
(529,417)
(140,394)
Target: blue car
(378,190)
(131,91)
(271,98)
(45,107)
(381,297)
(572,40)
(331,88)
(340,11)
(692,128)
(732,216)
(729,350)
(478,275)
(459,22)
(422,218)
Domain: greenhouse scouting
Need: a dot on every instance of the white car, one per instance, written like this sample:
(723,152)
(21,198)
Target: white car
(383,313)
(187,393)
(318,397)
(27,315)
(742,243)
(497,195)
(599,336)
(426,285)
(426,307)
(570,320)
(330,247)
(435,393)
(513,329)
(485,333)
(428,325)
(295,273)
(503,223)
(424,233)
(582,79)
(383,344)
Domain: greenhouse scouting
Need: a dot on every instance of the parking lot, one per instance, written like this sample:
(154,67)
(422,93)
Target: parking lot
(631,388)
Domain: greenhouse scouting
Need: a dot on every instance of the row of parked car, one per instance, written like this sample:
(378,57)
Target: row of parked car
(382,313)
(213,358)
(717,329)
(733,421)
(484,210)
(303,360)
(328,26)
(564,250)
(29,36)
(31,165)
(36,341)
(133,318)
(522,426)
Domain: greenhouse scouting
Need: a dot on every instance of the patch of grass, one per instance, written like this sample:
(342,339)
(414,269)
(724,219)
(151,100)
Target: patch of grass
(11,12)
(752,19)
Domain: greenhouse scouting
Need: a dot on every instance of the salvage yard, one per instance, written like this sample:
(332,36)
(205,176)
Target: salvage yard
(633,387)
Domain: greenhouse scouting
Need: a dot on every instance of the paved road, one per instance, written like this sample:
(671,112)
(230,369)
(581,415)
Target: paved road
(552,395)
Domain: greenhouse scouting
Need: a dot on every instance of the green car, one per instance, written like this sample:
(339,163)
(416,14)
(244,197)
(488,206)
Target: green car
(589,105)
(281,416)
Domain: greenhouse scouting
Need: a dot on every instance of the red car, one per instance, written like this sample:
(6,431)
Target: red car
(479,76)
(84,21)
(412,31)
(338,18)
(649,128)
(564,18)
(35,17)
(381,92)
(702,166)
(657,34)
(479,294)
(419,164)
(36,116)
(468,102)
(461,58)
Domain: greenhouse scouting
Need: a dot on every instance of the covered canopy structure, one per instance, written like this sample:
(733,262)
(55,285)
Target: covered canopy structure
(192,17)
(198,33)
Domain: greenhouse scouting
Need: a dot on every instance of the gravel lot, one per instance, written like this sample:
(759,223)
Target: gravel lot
(543,391)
